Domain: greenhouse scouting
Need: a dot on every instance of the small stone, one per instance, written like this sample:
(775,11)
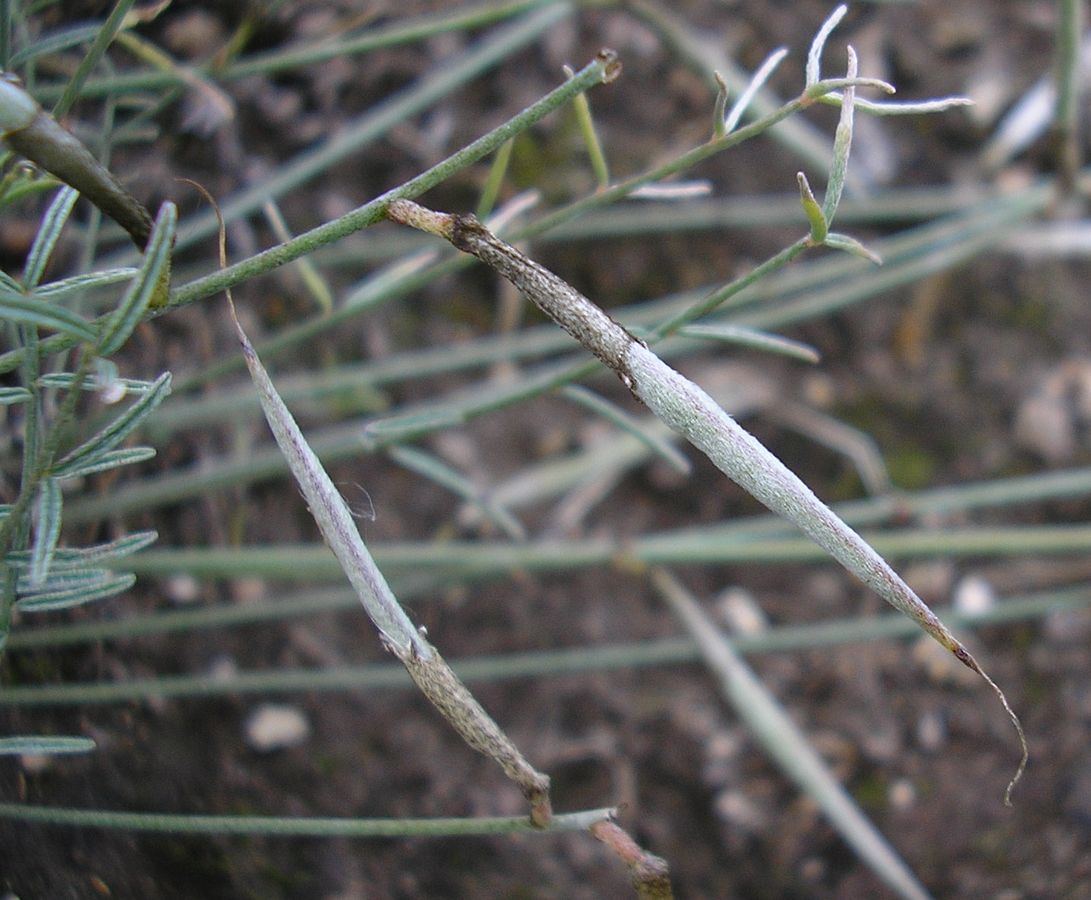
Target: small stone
(182,589)
(276,727)
(223,668)
(194,34)
(740,612)
(35,763)
(902,795)
(1044,426)
(931,731)
(974,596)
(739,812)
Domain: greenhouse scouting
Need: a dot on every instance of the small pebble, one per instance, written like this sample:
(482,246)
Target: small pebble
(739,812)
(182,589)
(276,727)
(223,668)
(35,763)
(740,612)
(931,731)
(902,795)
(974,595)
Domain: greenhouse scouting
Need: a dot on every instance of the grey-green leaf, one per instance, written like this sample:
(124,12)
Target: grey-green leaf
(69,558)
(48,233)
(47,529)
(18,307)
(55,290)
(116,431)
(111,459)
(44,745)
(132,307)
(12,395)
(96,586)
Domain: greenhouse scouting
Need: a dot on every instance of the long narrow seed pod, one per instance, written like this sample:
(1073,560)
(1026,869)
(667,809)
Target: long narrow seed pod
(31,132)
(691,412)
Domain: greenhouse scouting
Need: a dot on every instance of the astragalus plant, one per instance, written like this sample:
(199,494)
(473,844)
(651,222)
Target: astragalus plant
(72,357)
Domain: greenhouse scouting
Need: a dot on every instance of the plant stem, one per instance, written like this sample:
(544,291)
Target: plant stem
(293,825)
(1067,114)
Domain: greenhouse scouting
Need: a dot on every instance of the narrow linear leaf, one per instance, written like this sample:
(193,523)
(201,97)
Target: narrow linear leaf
(762,75)
(150,283)
(68,558)
(813,69)
(590,135)
(11,396)
(61,580)
(66,380)
(56,290)
(54,42)
(167,823)
(31,311)
(111,459)
(117,430)
(752,338)
(497,171)
(906,108)
(43,745)
(312,278)
(66,598)
(47,529)
(850,245)
(7,283)
(811,208)
(395,429)
(616,415)
(842,145)
(442,474)
(48,233)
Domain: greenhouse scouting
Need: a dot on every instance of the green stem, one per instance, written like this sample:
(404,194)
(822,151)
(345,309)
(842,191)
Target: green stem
(293,825)
(1067,113)
(102,40)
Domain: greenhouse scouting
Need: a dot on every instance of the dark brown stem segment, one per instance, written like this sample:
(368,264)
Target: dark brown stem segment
(48,145)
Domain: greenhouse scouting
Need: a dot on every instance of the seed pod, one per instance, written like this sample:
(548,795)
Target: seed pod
(31,132)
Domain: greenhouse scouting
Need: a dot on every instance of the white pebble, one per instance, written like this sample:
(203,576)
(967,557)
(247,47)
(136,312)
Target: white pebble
(741,613)
(182,589)
(974,595)
(276,727)
(902,795)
